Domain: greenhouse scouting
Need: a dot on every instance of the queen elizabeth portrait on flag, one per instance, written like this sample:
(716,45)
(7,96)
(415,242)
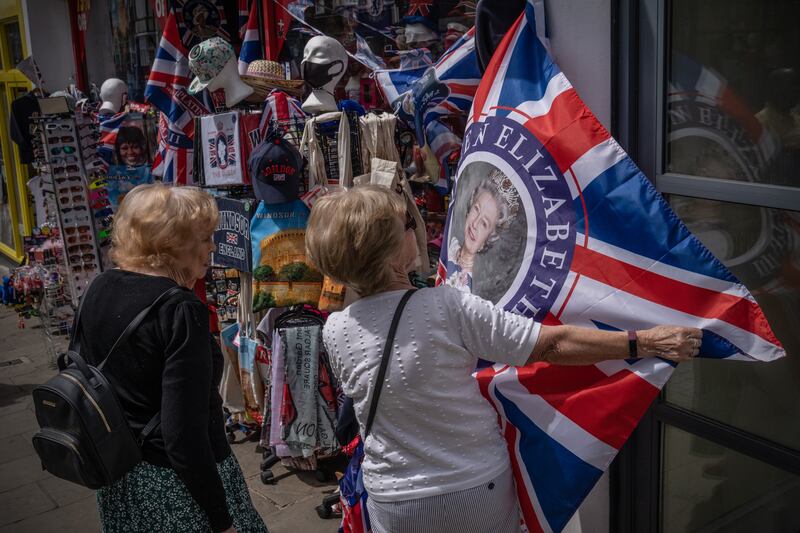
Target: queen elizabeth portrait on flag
(491,213)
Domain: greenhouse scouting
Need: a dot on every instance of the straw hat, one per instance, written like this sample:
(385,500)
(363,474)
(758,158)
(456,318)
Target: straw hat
(263,76)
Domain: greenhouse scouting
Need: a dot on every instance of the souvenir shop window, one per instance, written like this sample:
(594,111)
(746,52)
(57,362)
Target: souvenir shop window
(379,34)
(12,42)
(136,34)
(134,41)
(6,219)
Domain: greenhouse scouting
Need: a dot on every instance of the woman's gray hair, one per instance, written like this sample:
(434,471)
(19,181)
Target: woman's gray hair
(505,196)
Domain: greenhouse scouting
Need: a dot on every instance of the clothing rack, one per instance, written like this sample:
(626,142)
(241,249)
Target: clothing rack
(293,317)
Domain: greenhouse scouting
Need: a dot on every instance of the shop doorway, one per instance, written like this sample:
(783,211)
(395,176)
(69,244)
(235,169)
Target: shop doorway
(709,105)
(15,213)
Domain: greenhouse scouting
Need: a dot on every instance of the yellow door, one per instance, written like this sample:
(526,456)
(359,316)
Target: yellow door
(16,218)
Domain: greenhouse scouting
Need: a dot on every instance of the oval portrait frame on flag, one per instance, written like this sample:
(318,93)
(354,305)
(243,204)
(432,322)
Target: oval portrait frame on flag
(503,161)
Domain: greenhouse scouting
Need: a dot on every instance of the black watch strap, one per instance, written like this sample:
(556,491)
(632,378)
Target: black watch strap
(633,349)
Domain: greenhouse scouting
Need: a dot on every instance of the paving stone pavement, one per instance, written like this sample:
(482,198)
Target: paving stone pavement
(32,500)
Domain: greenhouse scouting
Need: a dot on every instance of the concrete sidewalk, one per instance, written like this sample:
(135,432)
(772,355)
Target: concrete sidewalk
(32,500)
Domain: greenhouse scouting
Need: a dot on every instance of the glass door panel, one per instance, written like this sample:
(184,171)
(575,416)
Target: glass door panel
(9,202)
(733,102)
(762,248)
(708,488)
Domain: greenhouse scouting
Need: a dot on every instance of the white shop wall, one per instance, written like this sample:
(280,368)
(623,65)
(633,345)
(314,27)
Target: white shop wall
(580,41)
(49,38)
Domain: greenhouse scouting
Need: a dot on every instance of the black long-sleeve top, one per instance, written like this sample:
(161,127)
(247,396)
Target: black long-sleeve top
(171,364)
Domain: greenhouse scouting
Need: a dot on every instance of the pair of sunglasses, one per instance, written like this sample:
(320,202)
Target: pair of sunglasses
(82,237)
(104,213)
(100,204)
(84,267)
(75,248)
(75,208)
(98,194)
(64,160)
(98,184)
(56,126)
(81,230)
(62,139)
(70,188)
(67,168)
(77,258)
(67,149)
(66,200)
(76,219)
(65,179)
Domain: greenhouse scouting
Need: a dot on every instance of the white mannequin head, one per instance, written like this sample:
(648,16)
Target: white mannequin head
(324,63)
(228,80)
(114,93)
(214,63)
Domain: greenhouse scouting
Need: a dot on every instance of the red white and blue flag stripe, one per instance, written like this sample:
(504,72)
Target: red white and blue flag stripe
(444,143)
(282,111)
(251,41)
(166,90)
(243,16)
(421,95)
(109,127)
(631,264)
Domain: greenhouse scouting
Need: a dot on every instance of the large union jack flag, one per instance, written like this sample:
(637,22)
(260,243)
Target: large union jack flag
(251,42)
(421,95)
(599,247)
(187,24)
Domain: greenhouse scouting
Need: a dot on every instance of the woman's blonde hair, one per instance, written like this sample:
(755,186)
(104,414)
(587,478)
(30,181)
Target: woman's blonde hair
(353,236)
(156,227)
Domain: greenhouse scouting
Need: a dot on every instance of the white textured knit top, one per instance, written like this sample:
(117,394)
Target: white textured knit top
(433,431)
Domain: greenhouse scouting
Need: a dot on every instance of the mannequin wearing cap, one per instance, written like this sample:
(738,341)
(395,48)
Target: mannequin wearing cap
(214,63)
(324,63)
(229,81)
(114,93)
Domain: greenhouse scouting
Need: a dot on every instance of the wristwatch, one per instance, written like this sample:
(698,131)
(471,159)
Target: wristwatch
(633,351)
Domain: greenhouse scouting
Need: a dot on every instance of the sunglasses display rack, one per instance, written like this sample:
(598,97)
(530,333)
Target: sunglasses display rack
(68,146)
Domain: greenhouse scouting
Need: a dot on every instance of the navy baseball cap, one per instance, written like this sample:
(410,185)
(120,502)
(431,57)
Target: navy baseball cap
(276,171)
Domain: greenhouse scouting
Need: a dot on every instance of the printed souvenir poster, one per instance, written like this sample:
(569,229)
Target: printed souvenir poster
(121,180)
(282,275)
(221,147)
(123,140)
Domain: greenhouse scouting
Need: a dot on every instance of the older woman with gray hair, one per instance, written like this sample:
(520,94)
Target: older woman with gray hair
(435,459)
(493,206)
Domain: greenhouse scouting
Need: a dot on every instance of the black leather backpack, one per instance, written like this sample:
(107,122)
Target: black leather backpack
(84,436)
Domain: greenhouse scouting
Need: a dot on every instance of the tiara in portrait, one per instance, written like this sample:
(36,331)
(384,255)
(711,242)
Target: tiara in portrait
(507,191)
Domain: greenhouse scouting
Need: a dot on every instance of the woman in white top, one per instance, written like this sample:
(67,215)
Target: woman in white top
(435,460)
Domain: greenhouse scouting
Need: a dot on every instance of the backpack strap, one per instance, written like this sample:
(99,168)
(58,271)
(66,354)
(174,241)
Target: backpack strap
(136,322)
(148,429)
(74,337)
(74,346)
(387,352)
